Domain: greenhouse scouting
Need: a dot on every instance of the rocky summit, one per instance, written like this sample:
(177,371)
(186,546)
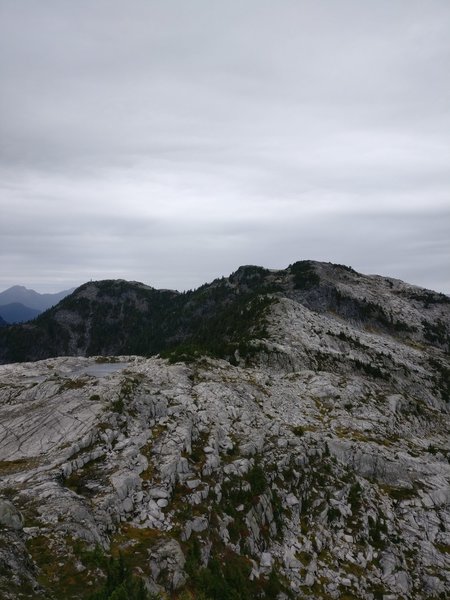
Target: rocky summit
(282,435)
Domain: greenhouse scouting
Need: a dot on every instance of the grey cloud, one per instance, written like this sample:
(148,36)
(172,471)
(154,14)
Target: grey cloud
(173,141)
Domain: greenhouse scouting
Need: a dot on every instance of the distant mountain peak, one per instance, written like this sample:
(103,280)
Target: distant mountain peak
(30,298)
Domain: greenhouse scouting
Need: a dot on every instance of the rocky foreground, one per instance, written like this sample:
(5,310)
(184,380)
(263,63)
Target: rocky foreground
(315,467)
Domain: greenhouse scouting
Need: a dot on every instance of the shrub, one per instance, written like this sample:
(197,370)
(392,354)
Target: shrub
(304,275)
(120,584)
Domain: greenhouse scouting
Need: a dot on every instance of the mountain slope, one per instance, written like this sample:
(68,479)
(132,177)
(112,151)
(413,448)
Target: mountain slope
(17,312)
(306,457)
(119,317)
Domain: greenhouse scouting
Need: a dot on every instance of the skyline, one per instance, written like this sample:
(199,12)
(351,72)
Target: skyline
(170,143)
(55,291)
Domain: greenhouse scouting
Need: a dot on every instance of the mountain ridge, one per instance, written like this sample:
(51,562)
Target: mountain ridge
(288,439)
(119,317)
(16,312)
(30,298)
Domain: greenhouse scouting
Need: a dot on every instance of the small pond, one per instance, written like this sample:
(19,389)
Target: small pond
(103,369)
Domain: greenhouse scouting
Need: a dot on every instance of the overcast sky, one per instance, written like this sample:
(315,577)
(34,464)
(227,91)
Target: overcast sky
(171,141)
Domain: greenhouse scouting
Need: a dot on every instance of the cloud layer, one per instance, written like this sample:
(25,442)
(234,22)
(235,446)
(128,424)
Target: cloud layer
(170,142)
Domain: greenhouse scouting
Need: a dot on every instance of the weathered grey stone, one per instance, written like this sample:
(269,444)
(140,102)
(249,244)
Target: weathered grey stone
(199,524)
(158,493)
(291,500)
(125,483)
(193,483)
(10,517)
(167,556)
(266,562)
(127,505)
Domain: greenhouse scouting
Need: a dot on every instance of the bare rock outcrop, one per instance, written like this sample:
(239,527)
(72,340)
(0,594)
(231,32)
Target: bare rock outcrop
(317,465)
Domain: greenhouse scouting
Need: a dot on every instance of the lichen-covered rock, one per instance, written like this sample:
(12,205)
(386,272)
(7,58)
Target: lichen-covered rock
(167,557)
(10,518)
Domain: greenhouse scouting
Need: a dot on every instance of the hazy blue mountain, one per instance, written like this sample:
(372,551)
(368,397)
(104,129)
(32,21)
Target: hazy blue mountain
(16,312)
(2,322)
(30,298)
